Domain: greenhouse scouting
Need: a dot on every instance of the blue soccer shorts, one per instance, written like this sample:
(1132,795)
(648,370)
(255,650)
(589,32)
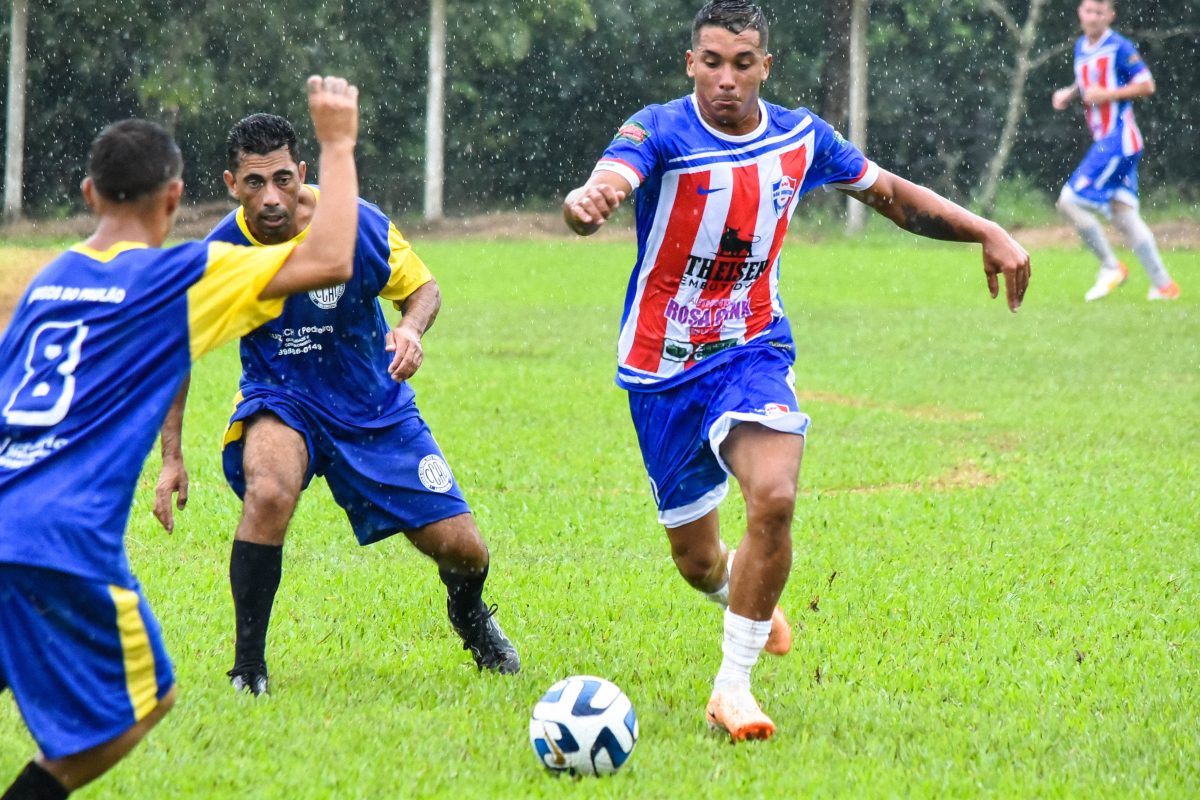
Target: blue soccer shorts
(387,479)
(1105,175)
(84,659)
(681,429)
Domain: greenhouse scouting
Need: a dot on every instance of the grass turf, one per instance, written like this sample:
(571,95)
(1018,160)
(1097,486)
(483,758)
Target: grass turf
(995,580)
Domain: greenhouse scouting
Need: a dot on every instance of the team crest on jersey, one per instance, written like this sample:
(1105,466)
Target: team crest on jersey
(434,473)
(327,298)
(782,191)
(632,132)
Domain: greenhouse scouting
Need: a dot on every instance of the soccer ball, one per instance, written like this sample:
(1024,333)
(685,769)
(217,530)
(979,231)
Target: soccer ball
(583,725)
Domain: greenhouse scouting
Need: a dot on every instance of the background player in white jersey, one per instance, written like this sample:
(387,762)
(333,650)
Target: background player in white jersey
(705,350)
(324,391)
(94,353)
(1109,75)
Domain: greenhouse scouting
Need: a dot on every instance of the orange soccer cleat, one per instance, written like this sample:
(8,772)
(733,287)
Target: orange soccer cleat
(1168,292)
(734,710)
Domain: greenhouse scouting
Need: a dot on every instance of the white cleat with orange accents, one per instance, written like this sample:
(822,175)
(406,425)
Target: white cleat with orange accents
(734,710)
(1107,281)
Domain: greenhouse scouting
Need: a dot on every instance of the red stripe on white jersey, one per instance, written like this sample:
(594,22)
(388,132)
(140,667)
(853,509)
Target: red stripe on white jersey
(736,247)
(762,294)
(666,269)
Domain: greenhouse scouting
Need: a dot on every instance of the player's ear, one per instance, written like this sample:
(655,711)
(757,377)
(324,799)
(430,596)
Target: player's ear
(302,170)
(88,190)
(767,66)
(230,183)
(173,196)
(691,70)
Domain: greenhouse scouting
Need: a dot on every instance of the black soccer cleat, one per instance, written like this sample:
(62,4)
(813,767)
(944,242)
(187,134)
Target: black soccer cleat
(482,635)
(252,681)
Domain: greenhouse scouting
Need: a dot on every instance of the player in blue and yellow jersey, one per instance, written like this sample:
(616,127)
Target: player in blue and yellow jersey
(324,392)
(705,349)
(1109,76)
(89,364)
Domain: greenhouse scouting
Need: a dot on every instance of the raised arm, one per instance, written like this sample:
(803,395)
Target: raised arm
(172,477)
(926,213)
(588,207)
(326,256)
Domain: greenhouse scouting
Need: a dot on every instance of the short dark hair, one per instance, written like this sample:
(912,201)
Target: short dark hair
(734,16)
(132,159)
(259,134)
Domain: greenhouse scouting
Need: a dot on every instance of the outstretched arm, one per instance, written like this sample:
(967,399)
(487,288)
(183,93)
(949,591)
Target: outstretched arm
(926,213)
(172,477)
(420,309)
(588,207)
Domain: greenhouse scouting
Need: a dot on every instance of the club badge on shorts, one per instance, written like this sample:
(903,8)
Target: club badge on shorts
(434,473)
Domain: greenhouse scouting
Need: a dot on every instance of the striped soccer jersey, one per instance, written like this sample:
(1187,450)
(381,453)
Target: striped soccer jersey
(712,213)
(1111,63)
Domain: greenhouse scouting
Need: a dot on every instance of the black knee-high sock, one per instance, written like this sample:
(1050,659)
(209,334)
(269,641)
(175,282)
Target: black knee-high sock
(464,592)
(254,573)
(35,783)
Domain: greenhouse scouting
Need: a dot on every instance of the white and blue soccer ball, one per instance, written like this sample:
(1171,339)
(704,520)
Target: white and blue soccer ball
(583,725)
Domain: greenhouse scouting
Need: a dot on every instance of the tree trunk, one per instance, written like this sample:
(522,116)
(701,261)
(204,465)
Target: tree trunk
(835,77)
(14,148)
(1025,36)
(435,112)
(859,14)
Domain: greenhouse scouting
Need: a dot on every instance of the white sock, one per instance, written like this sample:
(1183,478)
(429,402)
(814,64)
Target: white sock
(721,595)
(744,640)
(1140,239)
(1089,230)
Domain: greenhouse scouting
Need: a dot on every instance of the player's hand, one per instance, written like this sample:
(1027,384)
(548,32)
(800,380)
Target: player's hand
(1094,95)
(1003,255)
(172,480)
(587,208)
(1062,98)
(333,104)
(405,344)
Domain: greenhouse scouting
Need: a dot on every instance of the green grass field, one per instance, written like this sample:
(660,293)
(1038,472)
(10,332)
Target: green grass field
(996,580)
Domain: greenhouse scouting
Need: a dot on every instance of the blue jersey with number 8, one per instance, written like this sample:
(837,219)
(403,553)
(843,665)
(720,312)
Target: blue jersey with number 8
(89,364)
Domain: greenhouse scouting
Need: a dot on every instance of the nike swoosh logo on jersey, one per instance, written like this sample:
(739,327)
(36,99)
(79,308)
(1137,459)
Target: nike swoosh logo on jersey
(706,190)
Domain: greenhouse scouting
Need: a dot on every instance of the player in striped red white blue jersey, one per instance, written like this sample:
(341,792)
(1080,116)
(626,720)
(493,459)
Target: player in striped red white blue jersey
(1109,75)
(705,349)
(712,213)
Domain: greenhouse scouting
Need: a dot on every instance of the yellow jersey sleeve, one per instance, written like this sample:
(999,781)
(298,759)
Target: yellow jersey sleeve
(409,272)
(224,303)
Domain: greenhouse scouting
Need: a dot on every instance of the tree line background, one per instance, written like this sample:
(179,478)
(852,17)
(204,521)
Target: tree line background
(536,88)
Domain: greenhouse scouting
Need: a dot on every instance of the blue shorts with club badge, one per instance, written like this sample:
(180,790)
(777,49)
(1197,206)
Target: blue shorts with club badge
(387,479)
(681,429)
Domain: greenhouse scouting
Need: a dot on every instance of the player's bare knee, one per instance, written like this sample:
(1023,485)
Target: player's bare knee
(697,565)
(270,496)
(769,511)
